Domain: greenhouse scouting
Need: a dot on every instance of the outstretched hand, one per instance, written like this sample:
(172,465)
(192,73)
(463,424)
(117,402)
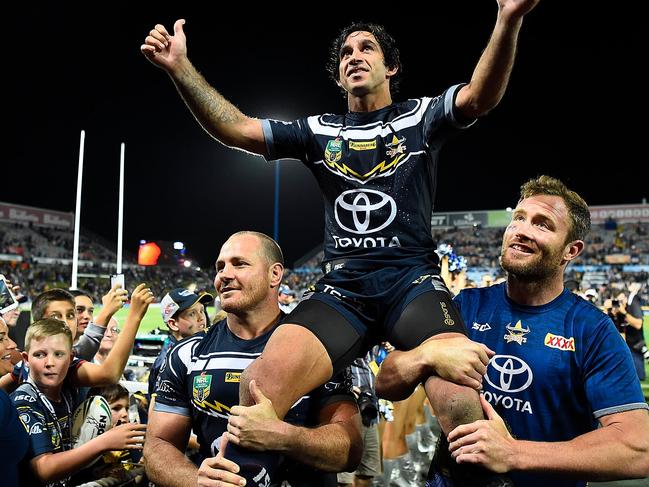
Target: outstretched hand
(164,50)
(141,298)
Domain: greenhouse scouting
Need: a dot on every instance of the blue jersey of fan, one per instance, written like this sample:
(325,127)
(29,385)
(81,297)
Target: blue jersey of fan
(377,173)
(557,369)
(200,379)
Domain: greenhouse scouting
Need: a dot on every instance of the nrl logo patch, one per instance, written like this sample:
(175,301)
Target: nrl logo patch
(559,342)
(334,150)
(201,387)
(516,333)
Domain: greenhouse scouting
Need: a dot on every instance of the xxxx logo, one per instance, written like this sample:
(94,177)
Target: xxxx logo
(559,342)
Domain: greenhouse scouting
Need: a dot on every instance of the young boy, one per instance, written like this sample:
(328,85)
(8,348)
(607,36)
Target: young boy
(117,397)
(60,304)
(45,403)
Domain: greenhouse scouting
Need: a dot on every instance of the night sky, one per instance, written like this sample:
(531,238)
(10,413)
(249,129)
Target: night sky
(573,110)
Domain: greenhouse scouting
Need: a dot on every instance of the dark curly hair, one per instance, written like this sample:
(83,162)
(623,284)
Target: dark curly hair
(386,42)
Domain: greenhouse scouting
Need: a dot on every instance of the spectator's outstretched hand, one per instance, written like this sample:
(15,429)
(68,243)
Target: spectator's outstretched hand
(128,436)
(140,300)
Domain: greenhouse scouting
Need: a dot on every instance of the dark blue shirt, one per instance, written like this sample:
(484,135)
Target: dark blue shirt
(377,172)
(14,441)
(558,368)
(200,379)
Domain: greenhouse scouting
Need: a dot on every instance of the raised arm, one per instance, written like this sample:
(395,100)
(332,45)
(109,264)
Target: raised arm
(50,467)
(334,446)
(110,371)
(619,449)
(220,118)
(491,75)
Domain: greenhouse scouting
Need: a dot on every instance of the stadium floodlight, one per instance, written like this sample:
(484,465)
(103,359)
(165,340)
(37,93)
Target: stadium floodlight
(179,245)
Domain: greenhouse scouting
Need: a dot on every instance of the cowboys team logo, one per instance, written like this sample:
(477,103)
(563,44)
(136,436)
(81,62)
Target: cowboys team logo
(363,211)
(396,147)
(516,333)
(334,150)
(201,389)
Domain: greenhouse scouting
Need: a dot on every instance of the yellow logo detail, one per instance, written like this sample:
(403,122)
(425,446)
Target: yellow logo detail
(365,145)
(233,377)
(215,406)
(382,168)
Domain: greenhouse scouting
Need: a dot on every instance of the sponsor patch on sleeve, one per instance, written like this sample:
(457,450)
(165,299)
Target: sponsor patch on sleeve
(559,342)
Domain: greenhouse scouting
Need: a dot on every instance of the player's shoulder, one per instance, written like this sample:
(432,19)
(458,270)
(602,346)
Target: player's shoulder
(480,294)
(25,396)
(586,314)
(186,348)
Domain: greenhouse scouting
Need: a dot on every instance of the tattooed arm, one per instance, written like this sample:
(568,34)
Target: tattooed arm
(220,118)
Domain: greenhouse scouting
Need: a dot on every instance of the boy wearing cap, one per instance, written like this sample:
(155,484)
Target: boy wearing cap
(184,314)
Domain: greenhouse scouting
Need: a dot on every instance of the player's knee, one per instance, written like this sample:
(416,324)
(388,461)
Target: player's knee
(453,404)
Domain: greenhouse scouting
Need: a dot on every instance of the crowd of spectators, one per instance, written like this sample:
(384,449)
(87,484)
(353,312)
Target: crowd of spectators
(479,246)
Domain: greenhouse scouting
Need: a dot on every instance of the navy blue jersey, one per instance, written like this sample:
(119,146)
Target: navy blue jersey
(168,344)
(200,379)
(14,440)
(557,369)
(377,172)
(50,430)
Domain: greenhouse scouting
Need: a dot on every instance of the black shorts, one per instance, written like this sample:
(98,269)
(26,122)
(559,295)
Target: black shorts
(350,311)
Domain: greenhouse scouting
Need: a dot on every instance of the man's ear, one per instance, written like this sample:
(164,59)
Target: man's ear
(391,72)
(276,272)
(573,250)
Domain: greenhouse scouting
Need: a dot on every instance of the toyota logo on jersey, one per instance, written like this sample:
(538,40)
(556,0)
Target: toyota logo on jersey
(363,211)
(508,373)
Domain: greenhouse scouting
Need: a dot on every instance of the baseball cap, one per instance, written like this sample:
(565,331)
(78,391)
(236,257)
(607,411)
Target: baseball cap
(284,289)
(179,300)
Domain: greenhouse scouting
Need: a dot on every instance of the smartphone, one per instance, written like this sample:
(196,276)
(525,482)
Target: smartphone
(7,299)
(117,279)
